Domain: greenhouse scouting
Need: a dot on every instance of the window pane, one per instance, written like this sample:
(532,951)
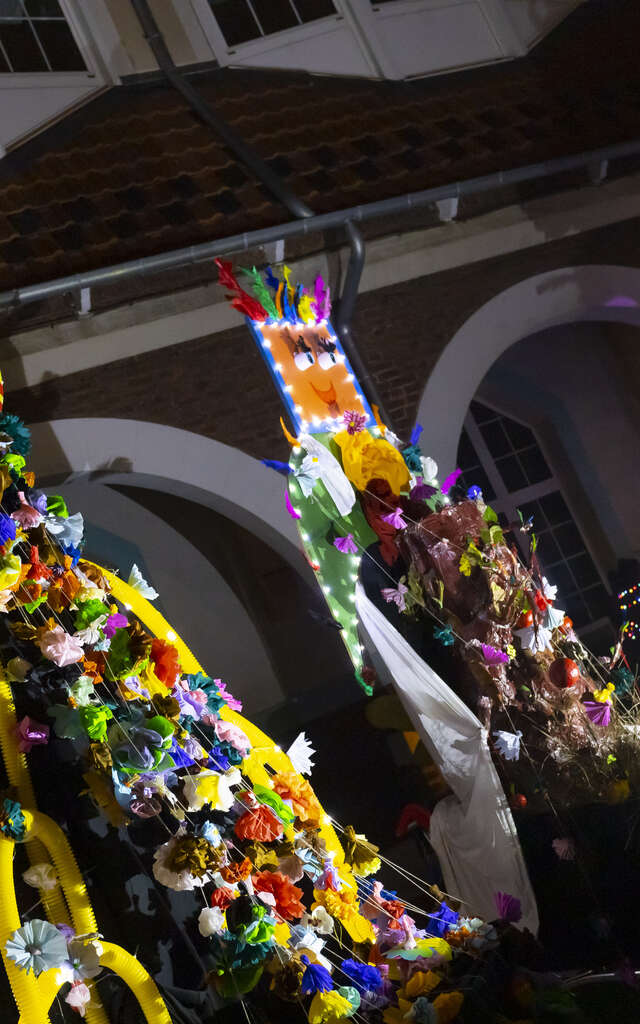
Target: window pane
(43,8)
(532,508)
(466,452)
(482,413)
(547,550)
(577,610)
(598,602)
(21,46)
(561,577)
(535,466)
(309,10)
(514,478)
(519,435)
(11,9)
(274,15)
(496,440)
(569,539)
(555,508)
(59,45)
(584,570)
(236,21)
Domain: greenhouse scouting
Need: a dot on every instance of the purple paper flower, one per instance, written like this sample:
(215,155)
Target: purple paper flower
(396,595)
(233,702)
(346,545)
(598,713)
(115,621)
(422,491)
(354,421)
(31,734)
(395,519)
(493,656)
(509,907)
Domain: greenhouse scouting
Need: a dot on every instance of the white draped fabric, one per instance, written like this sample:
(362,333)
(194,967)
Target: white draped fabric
(472,832)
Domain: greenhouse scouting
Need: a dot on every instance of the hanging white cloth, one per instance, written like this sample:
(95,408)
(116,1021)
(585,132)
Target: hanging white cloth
(473,832)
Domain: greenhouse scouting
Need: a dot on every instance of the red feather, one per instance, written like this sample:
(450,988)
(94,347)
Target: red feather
(241,301)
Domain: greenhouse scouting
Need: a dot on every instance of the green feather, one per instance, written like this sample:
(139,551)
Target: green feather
(261,292)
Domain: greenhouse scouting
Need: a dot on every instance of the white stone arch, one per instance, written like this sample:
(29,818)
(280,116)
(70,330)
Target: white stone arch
(598,292)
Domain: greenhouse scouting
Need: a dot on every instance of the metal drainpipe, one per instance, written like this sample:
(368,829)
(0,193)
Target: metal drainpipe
(296,206)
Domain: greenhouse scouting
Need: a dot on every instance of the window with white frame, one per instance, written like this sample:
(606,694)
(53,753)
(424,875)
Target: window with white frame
(35,37)
(504,458)
(242,21)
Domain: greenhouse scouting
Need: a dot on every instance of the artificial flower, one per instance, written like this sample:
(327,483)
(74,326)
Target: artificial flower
(300,753)
(166,661)
(316,978)
(67,531)
(534,638)
(37,946)
(222,897)
(397,595)
(346,545)
(509,907)
(236,871)
(26,516)
(444,635)
(261,824)
(12,821)
(564,849)
(298,793)
(366,458)
(185,863)
(448,1006)
(211,921)
(395,519)
(60,648)
(604,695)
(212,789)
(421,983)
(228,732)
(94,720)
(18,432)
(493,656)
(508,744)
(84,957)
(17,670)
(365,977)
(441,921)
(41,876)
(354,421)
(116,620)
(7,529)
(319,920)
(78,996)
(597,712)
(10,569)
(138,583)
(328,1008)
(31,734)
(360,855)
(285,893)
(329,470)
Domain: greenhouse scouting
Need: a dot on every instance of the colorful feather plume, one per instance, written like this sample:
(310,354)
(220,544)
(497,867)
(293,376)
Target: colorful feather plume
(261,292)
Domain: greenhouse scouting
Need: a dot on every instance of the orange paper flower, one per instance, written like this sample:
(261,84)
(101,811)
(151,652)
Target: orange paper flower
(237,871)
(261,824)
(166,661)
(297,790)
(287,895)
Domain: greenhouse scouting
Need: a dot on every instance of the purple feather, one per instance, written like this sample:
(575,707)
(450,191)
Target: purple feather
(450,481)
(598,713)
(289,507)
(509,907)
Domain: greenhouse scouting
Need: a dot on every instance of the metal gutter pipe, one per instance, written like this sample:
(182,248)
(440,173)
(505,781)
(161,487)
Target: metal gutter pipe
(318,223)
(272,181)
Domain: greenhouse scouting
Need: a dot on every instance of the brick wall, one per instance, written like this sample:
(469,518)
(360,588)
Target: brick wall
(219,386)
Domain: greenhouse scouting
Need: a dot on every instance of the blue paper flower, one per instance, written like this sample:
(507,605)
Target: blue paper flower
(37,946)
(73,551)
(316,978)
(12,823)
(15,428)
(7,529)
(474,493)
(364,977)
(440,923)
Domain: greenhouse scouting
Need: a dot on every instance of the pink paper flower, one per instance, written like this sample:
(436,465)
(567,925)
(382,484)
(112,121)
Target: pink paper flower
(60,648)
(354,421)
(564,849)
(346,545)
(395,519)
(31,734)
(26,516)
(227,732)
(493,656)
(78,996)
(396,595)
(233,702)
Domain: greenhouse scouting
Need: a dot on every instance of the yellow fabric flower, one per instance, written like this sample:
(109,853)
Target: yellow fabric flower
(603,695)
(421,984)
(448,1006)
(343,906)
(10,567)
(397,1014)
(366,458)
(327,1007)
(431,945)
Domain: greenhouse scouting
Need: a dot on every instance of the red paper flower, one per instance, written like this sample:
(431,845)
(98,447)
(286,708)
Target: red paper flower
(286,894)
(222,898)
(261,824)
(166,662)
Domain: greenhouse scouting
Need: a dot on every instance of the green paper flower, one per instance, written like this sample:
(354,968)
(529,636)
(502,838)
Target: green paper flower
(94,720)
(15,428)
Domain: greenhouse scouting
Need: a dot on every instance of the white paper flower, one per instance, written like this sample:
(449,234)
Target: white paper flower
(331,473)
(211,921)
(320,920)
(179,881)
(300,753)
(429,470)
(548,590)
(553,617)
(137,582)
(508,744)
(91,635)
(41,876)
(534,638)
(84,957)
(212,789)
(66,531)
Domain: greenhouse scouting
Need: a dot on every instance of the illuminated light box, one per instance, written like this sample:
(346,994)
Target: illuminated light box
(293,331)
(311,373)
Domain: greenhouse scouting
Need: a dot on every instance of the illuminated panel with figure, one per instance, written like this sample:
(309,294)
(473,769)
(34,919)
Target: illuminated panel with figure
(300,347)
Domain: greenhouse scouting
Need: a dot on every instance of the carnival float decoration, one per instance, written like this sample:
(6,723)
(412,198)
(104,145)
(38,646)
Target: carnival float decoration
(527,716)
(292,915)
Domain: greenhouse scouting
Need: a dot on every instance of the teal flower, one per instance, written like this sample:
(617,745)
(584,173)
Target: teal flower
(444,635)
(12,822)
(15,428)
